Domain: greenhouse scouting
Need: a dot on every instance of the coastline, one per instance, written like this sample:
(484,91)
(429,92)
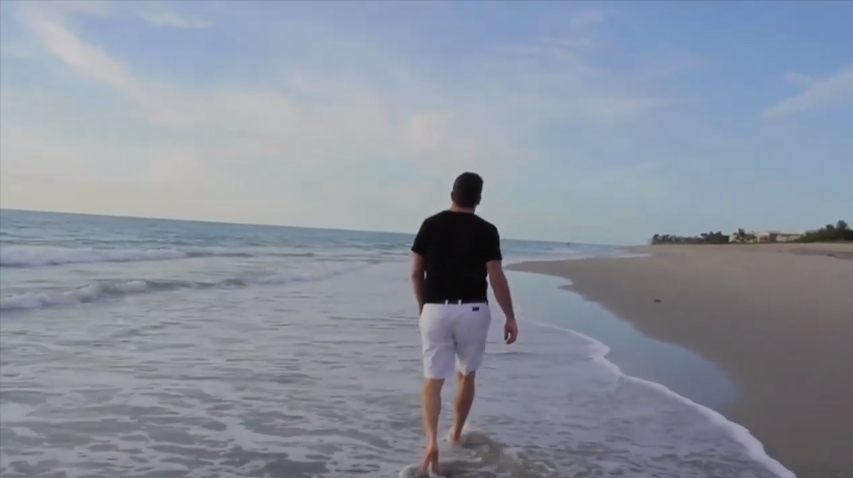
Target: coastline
(776,319)
(539,297)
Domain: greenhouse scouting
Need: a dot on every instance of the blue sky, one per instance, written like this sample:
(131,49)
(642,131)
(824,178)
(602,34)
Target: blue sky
(596,122)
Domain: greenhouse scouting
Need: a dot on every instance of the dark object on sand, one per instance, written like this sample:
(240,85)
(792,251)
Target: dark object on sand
(657,300)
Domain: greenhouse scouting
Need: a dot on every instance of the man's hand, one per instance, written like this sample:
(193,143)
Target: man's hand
(510,331)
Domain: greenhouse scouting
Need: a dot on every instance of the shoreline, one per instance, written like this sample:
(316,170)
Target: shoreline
(775,318)
(609,356)
(635,354)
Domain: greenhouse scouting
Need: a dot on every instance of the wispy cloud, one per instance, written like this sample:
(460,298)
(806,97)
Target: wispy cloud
(562,81)
(826,93)
(164,17)
(588,18)
(272,123)
(255,134)
(86,59)
(799,78)
(551,105)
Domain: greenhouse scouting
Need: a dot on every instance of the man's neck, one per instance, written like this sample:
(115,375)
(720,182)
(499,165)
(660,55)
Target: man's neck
(455,208)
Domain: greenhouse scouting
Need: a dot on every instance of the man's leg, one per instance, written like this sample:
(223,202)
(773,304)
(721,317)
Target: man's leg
(462,405)
(431,407)
(438,356)
(471,329)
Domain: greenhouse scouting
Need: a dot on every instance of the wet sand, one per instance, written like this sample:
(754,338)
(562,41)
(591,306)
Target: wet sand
(778,319)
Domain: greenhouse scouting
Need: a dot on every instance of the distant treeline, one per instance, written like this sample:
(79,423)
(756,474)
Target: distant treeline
(704,238)
(829,233)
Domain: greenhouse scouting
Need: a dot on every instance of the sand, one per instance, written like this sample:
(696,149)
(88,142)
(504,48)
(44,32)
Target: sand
(777,318)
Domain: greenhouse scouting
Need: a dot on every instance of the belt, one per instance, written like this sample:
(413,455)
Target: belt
(458,301)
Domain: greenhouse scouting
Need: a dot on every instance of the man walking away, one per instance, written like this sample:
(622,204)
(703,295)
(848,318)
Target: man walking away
(452,255)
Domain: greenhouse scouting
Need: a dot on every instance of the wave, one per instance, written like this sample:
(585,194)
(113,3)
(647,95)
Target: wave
(514,258)
(39,256)
(105,289)
(755,449)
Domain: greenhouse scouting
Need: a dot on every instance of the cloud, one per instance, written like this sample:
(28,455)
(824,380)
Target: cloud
(251,136)
(263,120)
(826,93)
(274,123)
(87,59)
(428,129)
(58,9)
(338,127)
(558,81)
(588,18)
(615,108)
(799,78)
(577,43)
(164,17)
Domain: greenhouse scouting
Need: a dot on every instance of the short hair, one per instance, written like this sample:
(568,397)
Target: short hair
(467,190)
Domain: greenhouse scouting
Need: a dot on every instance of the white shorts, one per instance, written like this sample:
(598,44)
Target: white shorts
(453,338)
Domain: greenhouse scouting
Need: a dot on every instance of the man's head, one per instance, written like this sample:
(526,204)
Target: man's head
(467,190)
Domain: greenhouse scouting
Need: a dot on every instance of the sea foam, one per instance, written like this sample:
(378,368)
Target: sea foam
(755,448)
(40,256)
(105,289)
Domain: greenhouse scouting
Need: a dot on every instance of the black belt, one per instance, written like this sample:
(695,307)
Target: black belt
(458,301)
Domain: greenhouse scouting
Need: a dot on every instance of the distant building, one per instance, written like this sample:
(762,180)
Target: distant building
(766,236)
(777,236)
(750,236)
(788,236)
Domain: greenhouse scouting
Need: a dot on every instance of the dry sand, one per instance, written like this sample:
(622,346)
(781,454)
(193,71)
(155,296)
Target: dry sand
(777,318)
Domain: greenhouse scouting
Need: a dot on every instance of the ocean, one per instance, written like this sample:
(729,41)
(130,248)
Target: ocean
(156,348)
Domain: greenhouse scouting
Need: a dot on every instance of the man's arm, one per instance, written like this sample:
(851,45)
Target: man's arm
(500,286)
(418,279)
(419,250)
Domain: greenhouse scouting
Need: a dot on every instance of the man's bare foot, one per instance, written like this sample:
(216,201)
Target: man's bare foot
(455,436)
(430,462)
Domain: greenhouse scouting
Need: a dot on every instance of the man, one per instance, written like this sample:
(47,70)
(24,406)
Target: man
(453,253)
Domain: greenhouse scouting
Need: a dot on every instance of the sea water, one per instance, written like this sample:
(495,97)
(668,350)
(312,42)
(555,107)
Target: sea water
(152,348)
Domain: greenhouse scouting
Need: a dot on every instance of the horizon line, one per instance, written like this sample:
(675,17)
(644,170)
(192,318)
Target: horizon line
(226,223)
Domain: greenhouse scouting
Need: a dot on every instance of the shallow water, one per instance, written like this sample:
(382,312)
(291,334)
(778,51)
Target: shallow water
(681,370)
(299,366)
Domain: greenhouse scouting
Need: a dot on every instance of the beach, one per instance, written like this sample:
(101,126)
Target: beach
(777,318)
(150,348)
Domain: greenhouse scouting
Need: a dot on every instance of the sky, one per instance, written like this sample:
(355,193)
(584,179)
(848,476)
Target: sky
(589,122)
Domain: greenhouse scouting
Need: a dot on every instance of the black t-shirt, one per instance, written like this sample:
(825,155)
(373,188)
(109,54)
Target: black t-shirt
(456,247)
